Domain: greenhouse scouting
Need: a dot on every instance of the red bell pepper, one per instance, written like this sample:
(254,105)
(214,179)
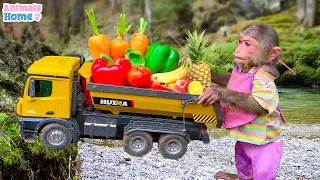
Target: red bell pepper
(125,64)
(105,71)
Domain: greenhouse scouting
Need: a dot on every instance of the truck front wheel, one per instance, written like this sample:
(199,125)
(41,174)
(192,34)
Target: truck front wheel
(55,136)
(172,146)
(138,143)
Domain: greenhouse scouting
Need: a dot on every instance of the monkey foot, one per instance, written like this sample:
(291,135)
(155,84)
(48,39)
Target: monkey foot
(226,176)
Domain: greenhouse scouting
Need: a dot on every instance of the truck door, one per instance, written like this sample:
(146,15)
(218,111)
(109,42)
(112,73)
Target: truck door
(39,98)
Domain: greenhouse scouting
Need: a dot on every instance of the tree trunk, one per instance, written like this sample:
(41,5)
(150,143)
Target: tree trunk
(119,4)
(148,12)
(310,13)
(66,20)
(301,9)
(77,17)
(55,13)
(317,16)
(113,6)
(8,31)
(36,32)
(1,32)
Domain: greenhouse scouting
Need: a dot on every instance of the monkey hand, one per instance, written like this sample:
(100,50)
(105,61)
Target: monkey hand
(209,97)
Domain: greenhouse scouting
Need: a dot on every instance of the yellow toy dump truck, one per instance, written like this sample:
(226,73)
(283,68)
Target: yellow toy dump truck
(61,104)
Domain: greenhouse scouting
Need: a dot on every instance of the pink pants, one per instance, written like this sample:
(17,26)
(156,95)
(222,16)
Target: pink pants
(259,162)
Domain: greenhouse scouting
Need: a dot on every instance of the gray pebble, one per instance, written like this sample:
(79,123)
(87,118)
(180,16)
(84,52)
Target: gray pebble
(300,158)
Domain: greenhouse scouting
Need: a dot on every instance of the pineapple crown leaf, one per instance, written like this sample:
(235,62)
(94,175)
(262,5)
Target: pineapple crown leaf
(197,45)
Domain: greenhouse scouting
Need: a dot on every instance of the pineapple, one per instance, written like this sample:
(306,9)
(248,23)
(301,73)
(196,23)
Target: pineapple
(200,70)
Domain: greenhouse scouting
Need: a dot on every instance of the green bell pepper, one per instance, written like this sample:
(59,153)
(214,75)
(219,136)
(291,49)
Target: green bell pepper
(172,61)
(158,58)
(135,57)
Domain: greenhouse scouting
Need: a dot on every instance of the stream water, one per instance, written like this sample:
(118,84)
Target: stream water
(300,105)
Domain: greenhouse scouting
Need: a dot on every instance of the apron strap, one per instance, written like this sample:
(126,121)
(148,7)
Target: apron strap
(282,117)
(281,62)
(253,74)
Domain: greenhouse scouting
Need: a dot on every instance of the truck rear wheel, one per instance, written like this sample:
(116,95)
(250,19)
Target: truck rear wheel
(172,146)
(55,136)
(138,143)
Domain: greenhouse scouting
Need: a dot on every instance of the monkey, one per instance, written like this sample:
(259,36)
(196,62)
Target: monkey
(263,55)
(249,99)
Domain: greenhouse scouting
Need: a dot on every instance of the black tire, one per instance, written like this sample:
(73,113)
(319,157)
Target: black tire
(138,143)
(55,136)
(172,146)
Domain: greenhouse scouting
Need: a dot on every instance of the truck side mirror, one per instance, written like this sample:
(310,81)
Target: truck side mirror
(32,88)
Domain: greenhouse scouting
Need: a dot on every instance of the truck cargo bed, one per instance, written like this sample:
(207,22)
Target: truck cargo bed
(127,99)
(117,99)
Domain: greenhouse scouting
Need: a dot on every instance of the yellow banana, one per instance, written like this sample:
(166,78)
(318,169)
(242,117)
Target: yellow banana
(173,78)
(155,76)
(176,71)
(170,85)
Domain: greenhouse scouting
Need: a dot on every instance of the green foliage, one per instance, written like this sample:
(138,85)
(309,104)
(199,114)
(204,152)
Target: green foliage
(307,54)
(210,15)
(305,76)
(220,56)
(18,157)
(3,116)
(168,7)
(221,20)
(38,149)
(305,61)
(277,19)
(9,153)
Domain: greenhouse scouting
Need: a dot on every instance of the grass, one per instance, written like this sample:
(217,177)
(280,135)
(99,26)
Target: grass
(106,142)
(19,158)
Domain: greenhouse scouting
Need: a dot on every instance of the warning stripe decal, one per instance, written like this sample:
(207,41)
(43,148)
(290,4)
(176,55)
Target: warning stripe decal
(204,118)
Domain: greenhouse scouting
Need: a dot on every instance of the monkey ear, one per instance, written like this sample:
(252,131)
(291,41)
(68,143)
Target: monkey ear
(275,52)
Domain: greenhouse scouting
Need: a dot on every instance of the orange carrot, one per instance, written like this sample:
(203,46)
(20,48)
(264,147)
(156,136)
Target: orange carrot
(98,43)
(118,45)
(139,41)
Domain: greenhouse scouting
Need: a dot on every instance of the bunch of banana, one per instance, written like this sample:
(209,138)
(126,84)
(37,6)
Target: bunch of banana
(171,86)
(172,76)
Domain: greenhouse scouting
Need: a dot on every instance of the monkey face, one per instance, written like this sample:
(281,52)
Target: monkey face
(246,50)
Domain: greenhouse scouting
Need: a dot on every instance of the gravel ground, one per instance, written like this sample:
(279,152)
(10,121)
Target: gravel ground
(301,158)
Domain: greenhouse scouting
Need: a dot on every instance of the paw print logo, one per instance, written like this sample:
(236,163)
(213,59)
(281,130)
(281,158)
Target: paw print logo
(37,17)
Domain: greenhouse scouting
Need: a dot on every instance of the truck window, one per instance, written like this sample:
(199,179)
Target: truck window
(43,88)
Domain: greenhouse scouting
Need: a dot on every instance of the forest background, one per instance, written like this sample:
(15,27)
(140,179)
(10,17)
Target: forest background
(64,28)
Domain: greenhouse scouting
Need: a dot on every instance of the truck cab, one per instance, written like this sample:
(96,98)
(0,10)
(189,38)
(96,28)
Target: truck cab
(48,95)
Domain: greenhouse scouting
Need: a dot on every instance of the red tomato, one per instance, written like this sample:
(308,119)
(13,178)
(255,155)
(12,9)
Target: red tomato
(139,76)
